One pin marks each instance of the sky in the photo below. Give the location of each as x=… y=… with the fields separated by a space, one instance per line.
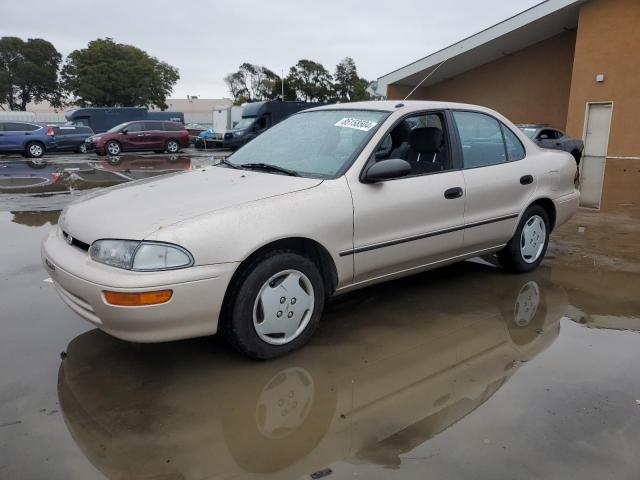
x=208 y=39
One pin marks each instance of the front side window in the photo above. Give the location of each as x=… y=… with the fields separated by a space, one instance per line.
x=481 y=139
x=136 y=127
x=421 y=140
x=317 y=144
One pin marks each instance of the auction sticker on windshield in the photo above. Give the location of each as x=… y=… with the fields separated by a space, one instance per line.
x=364 y=125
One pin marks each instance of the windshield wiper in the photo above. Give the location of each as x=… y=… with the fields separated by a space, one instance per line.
x=269 y=167
x=226 y=162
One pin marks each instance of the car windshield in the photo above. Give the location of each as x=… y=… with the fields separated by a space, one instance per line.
x=245 y=122
x=316 y=144
x=530 y=132
x=117 y=128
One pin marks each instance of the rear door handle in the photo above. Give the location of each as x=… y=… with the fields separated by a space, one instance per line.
x=526 y=179
x=455 y=192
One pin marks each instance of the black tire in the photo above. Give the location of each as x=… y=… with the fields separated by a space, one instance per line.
x=113 y=148
x=237 y=319
x=510 y=257
x=34 y=149
x=172 y=146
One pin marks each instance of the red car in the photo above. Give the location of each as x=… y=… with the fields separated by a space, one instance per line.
x=153 y=135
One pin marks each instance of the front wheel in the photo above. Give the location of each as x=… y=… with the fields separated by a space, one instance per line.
x=276 y=305
x=527 y=247
x=113 y=148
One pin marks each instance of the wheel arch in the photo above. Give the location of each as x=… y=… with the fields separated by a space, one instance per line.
x=311 y=249
x=549 y=207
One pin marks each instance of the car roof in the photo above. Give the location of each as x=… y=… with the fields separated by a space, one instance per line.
x=406 y=106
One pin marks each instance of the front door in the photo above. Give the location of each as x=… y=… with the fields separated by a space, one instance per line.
x=135 y=138
x=407 y=223
x=596 y=144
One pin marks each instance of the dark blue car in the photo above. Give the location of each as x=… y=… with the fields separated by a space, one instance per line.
x=30 y=139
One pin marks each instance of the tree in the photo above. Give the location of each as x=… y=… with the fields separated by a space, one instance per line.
x=113 y=74
x=348 y=86
x=28 y=72
x=311 y=81
x=252 y=83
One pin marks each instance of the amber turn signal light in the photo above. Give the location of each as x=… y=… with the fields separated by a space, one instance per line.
x=137 y=299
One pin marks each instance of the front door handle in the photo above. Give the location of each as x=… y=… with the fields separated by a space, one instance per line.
x=526 y=179
x=455 y=192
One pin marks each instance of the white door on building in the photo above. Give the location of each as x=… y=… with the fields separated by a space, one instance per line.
x=596 y=143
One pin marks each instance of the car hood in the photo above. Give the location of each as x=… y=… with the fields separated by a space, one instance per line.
x=137 y=209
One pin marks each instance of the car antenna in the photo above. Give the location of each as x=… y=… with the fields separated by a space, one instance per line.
x=425 y=79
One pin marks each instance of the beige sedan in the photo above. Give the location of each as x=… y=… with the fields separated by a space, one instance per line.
x=330 y=200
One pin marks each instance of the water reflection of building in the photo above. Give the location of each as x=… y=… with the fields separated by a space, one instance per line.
x=390 y=367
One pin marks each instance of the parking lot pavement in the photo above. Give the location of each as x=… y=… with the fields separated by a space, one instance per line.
x=463 y=372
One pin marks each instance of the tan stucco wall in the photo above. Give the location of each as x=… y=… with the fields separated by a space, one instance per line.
x=608 y=42
x=531 y=85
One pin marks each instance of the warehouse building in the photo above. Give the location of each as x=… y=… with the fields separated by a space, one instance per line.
x=571 y=64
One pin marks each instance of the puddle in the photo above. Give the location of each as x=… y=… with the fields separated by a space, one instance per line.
x=462 y=372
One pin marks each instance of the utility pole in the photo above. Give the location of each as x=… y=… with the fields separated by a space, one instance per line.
x=282 y=83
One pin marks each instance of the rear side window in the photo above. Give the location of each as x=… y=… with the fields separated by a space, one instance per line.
x=172 y=127
x=152 y=126
x=20 y=127
x=481 y=139
x=515 y=149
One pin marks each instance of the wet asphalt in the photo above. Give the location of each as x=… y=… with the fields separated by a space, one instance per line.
x=460 y=373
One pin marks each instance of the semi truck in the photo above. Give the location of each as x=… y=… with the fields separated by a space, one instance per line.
x=101 y=119
x=258 y=117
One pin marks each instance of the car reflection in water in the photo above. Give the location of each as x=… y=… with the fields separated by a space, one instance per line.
x=136 y=167
x=391 y=367
x=48 y=177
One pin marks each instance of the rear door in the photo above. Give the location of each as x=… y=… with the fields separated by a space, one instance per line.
x=14 y=135
x=498 y=184
x=155 y=136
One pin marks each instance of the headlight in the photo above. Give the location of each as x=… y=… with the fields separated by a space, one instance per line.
x=140 y=256
x=95 y=139
x=238 y=134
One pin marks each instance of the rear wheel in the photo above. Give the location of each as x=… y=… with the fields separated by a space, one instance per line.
x=527 y=247
x=275 y=306
x=34 y=150
x=113 y=148
x=172 y=146
x=82 y=148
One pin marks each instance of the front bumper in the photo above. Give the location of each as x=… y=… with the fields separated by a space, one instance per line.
x=192 y=311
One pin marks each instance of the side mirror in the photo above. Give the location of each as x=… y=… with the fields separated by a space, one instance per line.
x=387 y=170
x=124 y=131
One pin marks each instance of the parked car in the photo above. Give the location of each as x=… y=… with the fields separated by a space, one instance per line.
x=330 y=200
x=71 y=138
x=548 y=137
x=150 y=135
x=30 y=139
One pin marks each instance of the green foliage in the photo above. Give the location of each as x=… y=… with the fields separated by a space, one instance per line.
x=253 y=83
x=348 y=86
x=28 y=72
x=113 y=74
x=311 y=81
x=307 y=80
